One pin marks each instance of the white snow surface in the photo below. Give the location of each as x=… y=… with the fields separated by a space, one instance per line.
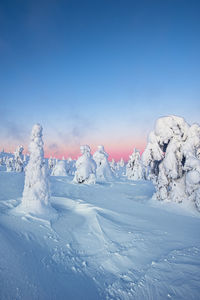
x=109 y=241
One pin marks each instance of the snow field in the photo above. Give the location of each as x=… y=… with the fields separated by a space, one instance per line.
x=108 y=241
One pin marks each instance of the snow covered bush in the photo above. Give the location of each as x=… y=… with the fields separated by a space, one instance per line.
x=19 y=159
x=171 y=156
x=134 y=169
x=59 y=169
x=103 y=171
x=36 y=192
x=86 y=167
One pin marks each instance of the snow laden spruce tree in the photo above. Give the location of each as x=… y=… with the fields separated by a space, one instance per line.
x=171 y=157
x=103 y=171
x=85 y=167
x=19 y=159
x=134 y=168
x=36 y=192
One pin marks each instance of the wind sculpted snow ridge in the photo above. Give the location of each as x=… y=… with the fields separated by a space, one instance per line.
x=108 y=242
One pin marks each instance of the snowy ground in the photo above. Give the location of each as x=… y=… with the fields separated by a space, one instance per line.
x=109 y=241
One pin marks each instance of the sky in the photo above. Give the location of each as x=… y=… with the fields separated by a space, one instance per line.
x=96 y=72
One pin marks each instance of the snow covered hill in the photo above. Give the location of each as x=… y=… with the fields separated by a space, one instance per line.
x=109 y=241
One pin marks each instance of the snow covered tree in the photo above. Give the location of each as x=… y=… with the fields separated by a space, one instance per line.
x=113 y=165
x=70 y=166
x=25 y=159
x=134 y=169
x=51 y=163
x=9 y=162
x=192 y=164
x=103 y=171
x=120 y=168
x=86 y=167
x=18 y=159
x=59 y=169
x=172 y=157
x=36 y=192
x=121 y=163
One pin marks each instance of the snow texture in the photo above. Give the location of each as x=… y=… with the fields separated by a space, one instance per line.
x=108 y=242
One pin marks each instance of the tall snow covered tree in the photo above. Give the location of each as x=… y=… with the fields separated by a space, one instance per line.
x=172 y=158
x=19 y=159
x=36 y=192
x=134 y=170
x=85 y=167
x=103 y=171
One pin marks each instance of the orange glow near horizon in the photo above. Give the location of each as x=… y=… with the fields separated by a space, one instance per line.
x=115 y=151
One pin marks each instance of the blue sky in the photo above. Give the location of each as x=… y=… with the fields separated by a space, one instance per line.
x=96 y=72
